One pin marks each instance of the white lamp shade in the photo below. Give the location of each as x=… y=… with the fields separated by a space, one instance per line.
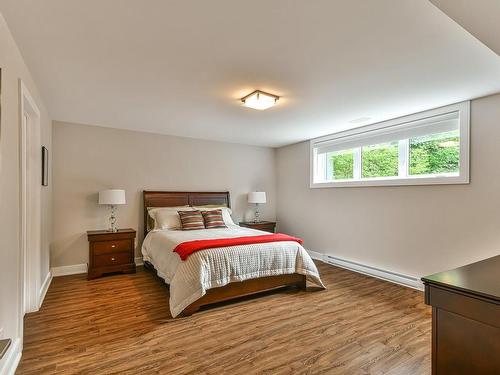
x=112 y=196
x=257 y=197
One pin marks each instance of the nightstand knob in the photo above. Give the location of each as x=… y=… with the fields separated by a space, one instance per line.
x=112 y=258
x=113 y=245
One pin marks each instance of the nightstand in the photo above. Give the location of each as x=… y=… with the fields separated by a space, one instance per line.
x=267 y=226
x=111 y=252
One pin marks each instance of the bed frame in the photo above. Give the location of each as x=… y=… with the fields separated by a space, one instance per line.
x=232 y=290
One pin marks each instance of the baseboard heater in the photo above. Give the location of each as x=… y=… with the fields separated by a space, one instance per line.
x=393 y=277
x=4 y=346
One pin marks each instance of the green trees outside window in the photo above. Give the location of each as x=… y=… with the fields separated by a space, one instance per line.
x=380 y=160
x=438 y=153
x=427 y=155
x=342 y=165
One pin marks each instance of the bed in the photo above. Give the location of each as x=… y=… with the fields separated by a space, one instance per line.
x=218 y=274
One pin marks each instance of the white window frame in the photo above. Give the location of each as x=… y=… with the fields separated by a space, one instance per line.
x=402 y=179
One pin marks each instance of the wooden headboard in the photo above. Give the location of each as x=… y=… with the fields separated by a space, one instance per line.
x=181 y=198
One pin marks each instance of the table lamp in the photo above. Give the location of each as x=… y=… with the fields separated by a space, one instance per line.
x=112 y=198
x=257 y=197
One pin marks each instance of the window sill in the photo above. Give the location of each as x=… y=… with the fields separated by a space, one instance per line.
x=408 y=181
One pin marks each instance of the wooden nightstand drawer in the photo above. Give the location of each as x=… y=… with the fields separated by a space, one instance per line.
x=266 y=226
x=111 y=252
x=112 y=259
x=116 y=246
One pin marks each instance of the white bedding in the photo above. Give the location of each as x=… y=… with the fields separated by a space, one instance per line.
x=189 y=280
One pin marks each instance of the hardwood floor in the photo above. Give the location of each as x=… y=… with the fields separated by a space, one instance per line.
x=122 y=325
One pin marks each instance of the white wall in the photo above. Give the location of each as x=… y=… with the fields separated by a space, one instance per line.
x=89 y=158
x=413 y=230
x=481 y=18
x=13 y=68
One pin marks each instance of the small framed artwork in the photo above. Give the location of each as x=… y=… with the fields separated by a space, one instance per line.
x=45 y=166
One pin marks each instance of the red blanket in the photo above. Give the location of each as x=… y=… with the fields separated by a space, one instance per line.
x=185 y=249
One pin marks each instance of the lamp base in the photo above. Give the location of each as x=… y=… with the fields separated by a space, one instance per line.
x=112 y=220
x=257 y=214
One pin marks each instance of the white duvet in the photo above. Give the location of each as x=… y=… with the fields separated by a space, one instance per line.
x=189 y=280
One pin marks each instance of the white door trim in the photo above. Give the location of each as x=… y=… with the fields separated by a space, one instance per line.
x=30 y=196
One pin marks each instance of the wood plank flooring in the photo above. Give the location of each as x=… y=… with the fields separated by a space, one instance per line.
x=122 y=325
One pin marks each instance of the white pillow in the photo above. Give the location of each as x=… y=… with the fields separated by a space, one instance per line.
x=167 y=217
x=226 y=213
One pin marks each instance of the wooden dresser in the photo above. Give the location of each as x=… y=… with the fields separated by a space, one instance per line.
x=465 y=318
x=267 y=226
x=111 y=252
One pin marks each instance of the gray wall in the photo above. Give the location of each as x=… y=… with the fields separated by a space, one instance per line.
x=13 y=68
x=89 y=158
x=414 y=230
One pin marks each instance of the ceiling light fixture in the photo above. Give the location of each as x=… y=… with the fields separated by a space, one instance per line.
x=259 y=100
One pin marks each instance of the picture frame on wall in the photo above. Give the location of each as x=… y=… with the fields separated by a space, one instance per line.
x=45 y=166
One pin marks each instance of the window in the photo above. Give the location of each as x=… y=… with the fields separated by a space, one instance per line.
x=380 y=160
x=426 y=148
x=435 y=154
x=341 y=164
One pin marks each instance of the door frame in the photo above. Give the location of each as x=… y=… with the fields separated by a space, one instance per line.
x=30 y=201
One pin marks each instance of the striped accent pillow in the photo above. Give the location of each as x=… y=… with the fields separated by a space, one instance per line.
x=213 y=219
x=191 y=220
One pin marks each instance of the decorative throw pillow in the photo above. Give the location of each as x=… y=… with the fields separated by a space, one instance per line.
x=191 y=220
x=226 y=213
x=213 y=219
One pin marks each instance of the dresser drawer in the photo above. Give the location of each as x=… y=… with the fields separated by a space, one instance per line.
x=112 y=259
x=482 y=310
x=107 y=247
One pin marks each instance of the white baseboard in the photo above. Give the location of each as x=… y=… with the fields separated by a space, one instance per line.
x=69 y=270
x=81 y=268
x=44 y=288
x=9 y=363
x=393 y=277
x=315 y=255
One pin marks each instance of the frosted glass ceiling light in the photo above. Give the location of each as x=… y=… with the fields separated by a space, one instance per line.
x=259 y=100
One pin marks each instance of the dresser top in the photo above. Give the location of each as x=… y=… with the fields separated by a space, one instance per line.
x=480 y=278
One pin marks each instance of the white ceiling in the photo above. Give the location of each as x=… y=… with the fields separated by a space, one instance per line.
x=179 y=67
